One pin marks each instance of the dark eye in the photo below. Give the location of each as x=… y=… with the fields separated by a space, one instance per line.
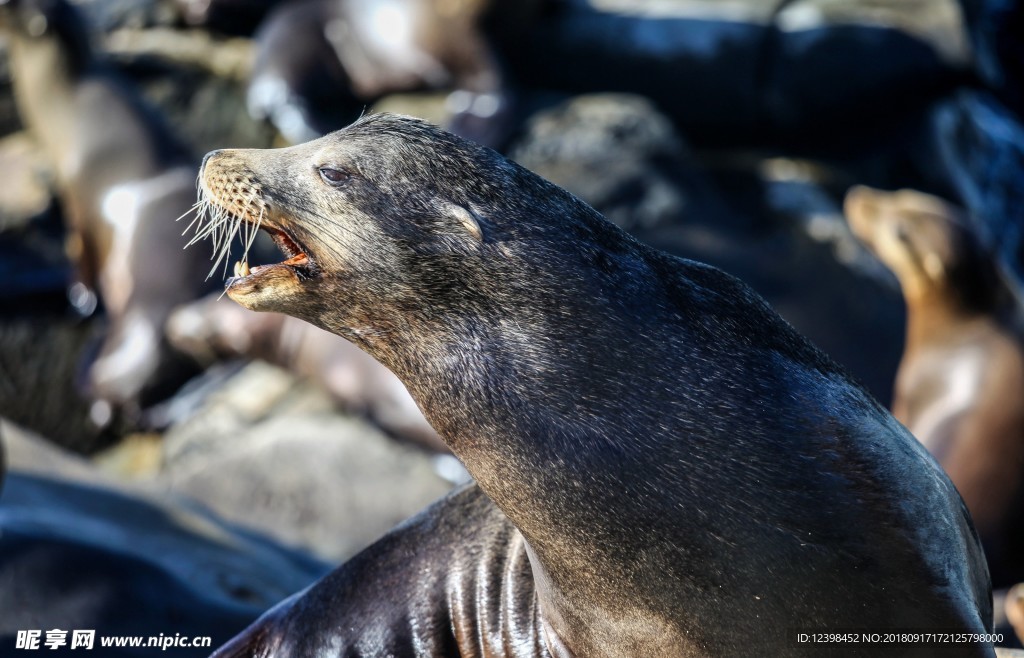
x=333 y=176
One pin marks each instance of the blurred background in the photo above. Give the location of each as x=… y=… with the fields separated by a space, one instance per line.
x=177 y=464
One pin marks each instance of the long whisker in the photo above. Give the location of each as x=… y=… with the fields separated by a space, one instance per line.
x=252 y=236
x=191 y=209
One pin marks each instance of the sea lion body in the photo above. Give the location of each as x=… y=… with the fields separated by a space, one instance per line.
x=960 y=384
x=688 y=475
x=122 y=180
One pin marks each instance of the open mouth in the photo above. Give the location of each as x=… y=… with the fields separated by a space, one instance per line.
x=230 y=209
x=296 y=257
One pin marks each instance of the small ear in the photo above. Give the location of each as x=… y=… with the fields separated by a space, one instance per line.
x=933 y=266
x=468 y=219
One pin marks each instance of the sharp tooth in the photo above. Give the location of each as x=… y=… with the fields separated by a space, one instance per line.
x=238 y=268
x=245 y=268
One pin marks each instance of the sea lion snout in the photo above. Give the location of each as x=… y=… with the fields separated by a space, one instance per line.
x=231 y=187
x=227 y=179
x=206 y=158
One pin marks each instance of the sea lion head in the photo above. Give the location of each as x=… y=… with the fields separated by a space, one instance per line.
x=924 y=240
x=390 y=221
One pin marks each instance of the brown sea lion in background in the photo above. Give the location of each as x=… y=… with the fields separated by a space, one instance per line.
x=122 y=180
x=664 y=466
x=215 y=329
x=1014 y=609
x=960 y=385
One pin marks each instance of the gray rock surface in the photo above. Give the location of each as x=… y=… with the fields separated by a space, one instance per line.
x=39 y=362
x=616 y=151
x=270 y=453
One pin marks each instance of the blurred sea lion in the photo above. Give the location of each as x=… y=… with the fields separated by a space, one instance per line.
x=960 y=385
x=783 y=74
x=122 y=180
x=320 y=62
x=212 y=329
x=297 y=82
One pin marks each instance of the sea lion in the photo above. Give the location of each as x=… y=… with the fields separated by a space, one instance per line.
x=664 y=467
x=297 y=82
x=122 y=179
x=212 y=328
x=319 y=62
x=961 y=380
x=1014 y=603
x=970 y=148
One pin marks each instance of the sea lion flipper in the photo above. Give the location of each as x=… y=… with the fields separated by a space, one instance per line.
x=428 y=588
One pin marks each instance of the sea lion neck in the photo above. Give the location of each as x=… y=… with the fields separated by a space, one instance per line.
x=533 y=399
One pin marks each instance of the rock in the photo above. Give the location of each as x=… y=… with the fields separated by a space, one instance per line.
x=107 y=15
x=230 y=59
x=270 y=455
x=974 y=152
x=995 y=28
x=39 y=367
x=572 y=145
x=431 y=106
x=197 y=83
x=135 y=457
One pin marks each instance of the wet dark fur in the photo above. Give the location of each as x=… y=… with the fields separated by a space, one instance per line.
x=690 y=475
